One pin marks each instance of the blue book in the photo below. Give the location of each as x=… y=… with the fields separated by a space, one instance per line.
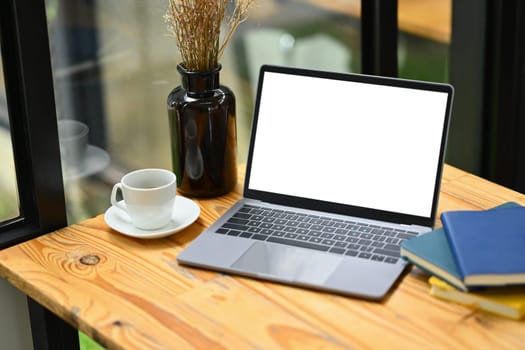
x=488 y=246
x=431 y=252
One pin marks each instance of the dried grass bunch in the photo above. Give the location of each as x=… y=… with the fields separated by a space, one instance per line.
x=196 y=24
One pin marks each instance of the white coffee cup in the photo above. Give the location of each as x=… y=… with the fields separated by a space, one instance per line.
x=149 y=197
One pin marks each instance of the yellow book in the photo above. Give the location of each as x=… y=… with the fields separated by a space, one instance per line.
x=504 y=301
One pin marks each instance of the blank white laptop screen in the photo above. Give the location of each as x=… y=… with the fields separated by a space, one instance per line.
x=359 y=144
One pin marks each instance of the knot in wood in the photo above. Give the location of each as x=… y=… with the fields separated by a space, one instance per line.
x=90 y=259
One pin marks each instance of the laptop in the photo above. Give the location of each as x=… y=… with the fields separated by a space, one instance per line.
x=341 y=169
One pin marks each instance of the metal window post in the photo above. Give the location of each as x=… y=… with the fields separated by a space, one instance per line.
x=379 y=31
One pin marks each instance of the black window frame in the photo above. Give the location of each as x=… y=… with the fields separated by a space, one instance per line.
x=504 y=95
x=379 y=37
x=32 y=118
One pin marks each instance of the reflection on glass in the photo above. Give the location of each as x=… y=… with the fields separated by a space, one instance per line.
x=9 y=205
x=114 y=65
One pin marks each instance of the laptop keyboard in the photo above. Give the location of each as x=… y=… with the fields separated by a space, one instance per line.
x=326 y=234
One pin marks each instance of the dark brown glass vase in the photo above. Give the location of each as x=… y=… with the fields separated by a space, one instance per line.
x=203 y=134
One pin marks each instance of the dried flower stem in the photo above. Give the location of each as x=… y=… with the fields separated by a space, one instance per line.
x=196 y=24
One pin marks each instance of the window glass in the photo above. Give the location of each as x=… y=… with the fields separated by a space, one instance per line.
x=114 y=64
x=9 y=204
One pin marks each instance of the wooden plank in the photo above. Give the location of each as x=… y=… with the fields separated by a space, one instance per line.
x=479 y=193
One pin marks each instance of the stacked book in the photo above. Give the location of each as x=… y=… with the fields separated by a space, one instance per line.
x=476 y=259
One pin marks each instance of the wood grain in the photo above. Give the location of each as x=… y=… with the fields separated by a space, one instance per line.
x=128 y=293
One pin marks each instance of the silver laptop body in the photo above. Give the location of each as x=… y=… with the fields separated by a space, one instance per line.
x=361 y=154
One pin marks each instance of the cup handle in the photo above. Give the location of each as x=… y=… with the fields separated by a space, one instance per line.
x=114 y=191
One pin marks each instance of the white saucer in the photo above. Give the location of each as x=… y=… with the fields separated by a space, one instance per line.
x=185 y=212
x=96 y=160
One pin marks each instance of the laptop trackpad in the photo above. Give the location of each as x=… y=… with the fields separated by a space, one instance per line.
x=287 y=263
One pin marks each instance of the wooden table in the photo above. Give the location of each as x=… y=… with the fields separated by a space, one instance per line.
x=131 y=294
